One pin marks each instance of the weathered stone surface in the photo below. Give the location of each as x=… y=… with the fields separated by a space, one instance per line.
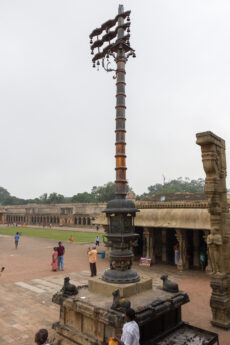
x=99 y=286
x=88 y=318
x=214 y=163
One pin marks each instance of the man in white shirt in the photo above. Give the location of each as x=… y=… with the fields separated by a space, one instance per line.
x=130 y=331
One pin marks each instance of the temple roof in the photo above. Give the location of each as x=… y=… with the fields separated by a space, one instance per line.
x=175 y=197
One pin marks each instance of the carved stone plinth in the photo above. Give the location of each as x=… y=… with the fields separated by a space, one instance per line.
x=220 y=301
x=99 y=286
x=87 y=319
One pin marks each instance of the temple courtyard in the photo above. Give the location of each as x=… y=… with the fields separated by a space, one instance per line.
x=27 y=286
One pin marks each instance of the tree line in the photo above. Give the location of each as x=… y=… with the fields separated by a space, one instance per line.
x=105 y=193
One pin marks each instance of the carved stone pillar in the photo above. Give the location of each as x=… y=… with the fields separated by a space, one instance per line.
x=218 y=241
x=164 y=245
x=209 y=266
x=183 y=257
x=146 y=235
x=152 y=246
x=196 y=248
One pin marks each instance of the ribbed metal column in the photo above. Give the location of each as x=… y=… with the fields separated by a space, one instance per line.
x=120 y=117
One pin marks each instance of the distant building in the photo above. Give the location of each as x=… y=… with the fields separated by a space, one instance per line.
x=163 y=221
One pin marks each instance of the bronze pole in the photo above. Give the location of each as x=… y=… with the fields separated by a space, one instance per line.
x=120 y=117
x=120 y=212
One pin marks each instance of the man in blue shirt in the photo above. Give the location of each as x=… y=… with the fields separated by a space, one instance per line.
x=16 y=239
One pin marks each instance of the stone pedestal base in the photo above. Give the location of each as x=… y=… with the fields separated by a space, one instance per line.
x=87 y=319
x=220 y=301
x=96 y=285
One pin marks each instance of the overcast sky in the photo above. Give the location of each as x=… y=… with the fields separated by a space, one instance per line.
x=57 y=112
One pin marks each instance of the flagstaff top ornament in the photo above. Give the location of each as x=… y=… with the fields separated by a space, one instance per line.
x=120 y=212
x=121 y=25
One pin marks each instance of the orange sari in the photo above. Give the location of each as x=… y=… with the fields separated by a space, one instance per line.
x=54 y=262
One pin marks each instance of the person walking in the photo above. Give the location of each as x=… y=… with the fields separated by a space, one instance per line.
x=16 y=240
x=130 y=331
x=92 y=253
x=61 y=252
x=54 y=262
x=97 y=240
x=202 y=259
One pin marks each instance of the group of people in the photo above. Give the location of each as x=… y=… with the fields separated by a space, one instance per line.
x=57 y=262
x=58 y=257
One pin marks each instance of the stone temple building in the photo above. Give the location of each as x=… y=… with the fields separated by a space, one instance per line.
x=163 y=221
x=80 y=215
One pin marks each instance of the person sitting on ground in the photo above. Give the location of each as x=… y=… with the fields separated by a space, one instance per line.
x=41 y=337
x=130 y=331
x=71 y=239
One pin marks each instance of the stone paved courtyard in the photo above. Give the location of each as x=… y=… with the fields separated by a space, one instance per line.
x=27 y=286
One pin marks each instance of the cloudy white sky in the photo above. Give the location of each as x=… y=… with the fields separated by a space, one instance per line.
x=57 y=113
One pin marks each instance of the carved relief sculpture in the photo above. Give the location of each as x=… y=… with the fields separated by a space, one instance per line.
x=214 y=163
x=214 y=241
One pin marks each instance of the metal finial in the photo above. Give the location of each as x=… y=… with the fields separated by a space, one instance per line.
x=121 y=9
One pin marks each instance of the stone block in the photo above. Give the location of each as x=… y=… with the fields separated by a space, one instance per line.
x=144 y=285
x=96 y=285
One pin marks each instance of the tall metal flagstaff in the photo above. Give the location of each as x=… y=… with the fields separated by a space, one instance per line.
x=120 y=212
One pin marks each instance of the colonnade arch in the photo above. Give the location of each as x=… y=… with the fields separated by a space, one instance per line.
x=82 y=220
x=38 y=220
x=47 y=219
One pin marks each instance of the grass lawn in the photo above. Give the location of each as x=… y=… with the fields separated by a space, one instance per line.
x=53 y=234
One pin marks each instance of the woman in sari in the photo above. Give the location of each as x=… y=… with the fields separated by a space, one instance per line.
x=54 y=262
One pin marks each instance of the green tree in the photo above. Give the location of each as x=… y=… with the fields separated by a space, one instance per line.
x=3 y=194
x=43 y=198
x=13 y=200
x=83 y=197
x=104 y=193
x=55 y=198
x=177 y=185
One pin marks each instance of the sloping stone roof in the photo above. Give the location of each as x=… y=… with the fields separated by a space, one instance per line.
x=177 y=218
x=175 y=197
